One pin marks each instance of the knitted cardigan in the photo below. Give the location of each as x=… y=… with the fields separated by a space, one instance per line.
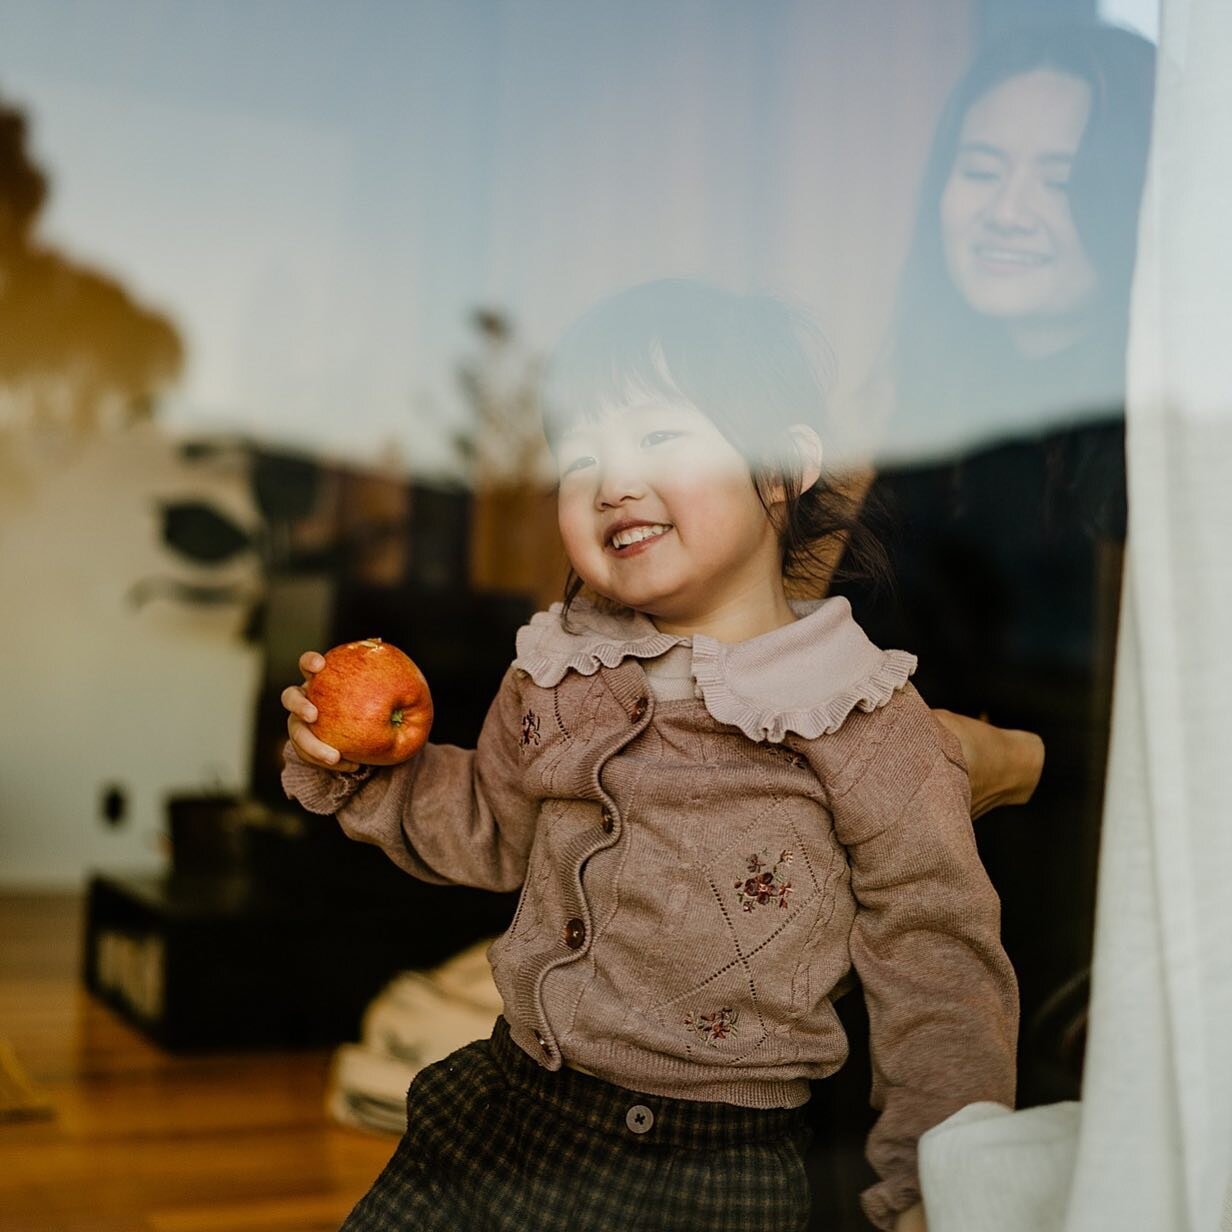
x=699 y=876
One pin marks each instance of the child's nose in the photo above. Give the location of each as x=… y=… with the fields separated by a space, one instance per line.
x=619 y=481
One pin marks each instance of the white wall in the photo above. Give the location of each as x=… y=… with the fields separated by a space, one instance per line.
x=92 y=691
x=1140 y=15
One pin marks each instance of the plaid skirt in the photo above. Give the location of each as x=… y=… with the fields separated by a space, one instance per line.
x=496 y=1143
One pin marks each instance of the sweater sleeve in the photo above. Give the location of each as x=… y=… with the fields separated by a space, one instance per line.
x=449 y=815
x=941 y=994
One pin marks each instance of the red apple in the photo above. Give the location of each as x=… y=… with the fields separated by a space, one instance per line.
x=372 y=702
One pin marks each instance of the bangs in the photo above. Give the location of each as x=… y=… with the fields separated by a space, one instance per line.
x=743 y=361
x=586 y=381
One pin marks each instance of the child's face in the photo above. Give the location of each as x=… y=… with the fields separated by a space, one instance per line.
x=658 y=512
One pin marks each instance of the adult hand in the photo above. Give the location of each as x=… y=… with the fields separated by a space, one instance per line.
x=1004 y=765
x=911 y=1220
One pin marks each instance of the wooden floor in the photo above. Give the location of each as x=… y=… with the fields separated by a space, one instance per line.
x=142 y=1141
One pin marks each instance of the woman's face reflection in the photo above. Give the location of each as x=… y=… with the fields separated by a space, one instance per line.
x=1011 y=245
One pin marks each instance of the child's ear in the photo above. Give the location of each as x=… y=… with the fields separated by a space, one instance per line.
x=807 y=448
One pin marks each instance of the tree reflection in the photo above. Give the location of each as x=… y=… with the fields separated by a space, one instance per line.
x=77 y=352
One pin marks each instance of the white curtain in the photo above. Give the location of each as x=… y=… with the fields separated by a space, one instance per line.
x=1149 y=1149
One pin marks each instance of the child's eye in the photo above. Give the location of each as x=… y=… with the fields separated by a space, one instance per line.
x=577 y=464
x=977 y=176
x=657 y=438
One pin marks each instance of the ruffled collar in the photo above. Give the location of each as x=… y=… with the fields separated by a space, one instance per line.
x=804 y=678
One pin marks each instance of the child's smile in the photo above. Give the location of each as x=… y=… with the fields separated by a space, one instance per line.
x=658 y=512
x=630 y=536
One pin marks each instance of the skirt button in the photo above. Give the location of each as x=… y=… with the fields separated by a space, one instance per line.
x=639 y=1119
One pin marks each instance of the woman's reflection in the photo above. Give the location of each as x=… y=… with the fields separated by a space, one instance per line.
x=1001 y=484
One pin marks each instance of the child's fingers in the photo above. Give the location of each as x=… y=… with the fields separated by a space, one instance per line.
x=295 y=700
x=301 y=713
x=310 y=662
x=316 y=752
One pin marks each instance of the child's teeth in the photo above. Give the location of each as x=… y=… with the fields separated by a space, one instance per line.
x=636 y=534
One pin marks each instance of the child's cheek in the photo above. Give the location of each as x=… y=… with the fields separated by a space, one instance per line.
x=577 y=534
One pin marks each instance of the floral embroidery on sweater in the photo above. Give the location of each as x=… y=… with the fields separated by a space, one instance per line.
x=530 y=728
x=713 y=1027
x=766 y=882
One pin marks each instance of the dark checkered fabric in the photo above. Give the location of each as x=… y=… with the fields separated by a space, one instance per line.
x=496 y=1143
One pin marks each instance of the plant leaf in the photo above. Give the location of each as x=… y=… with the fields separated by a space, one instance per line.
x=200 y=532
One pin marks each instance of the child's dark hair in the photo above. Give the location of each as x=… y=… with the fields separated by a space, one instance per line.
x=751 y=364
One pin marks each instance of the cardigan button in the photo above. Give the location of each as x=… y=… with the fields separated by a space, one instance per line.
x=574 y=934
x=609 y=822
x=543 y=1043
x=639 y=708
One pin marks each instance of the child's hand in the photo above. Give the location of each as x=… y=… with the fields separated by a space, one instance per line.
x=1004 y=765
x=302 y=712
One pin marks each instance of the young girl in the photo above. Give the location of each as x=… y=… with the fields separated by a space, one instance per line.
x=717 y=802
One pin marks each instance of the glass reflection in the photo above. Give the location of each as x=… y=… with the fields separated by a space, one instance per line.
x=1002 y=479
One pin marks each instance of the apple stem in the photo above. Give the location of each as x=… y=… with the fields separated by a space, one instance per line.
x=396 y=718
